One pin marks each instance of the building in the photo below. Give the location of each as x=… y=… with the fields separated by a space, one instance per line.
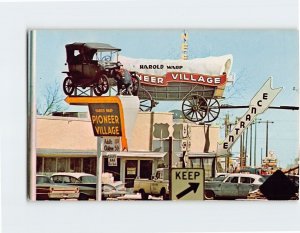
x=67 y=144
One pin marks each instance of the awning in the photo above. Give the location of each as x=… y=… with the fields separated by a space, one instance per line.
x=198 y=155
x=92 y=153
x=136 y=154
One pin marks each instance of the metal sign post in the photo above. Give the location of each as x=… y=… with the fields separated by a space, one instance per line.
x=99 y=170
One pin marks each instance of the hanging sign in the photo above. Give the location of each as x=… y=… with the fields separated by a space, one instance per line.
x=259 y=103
x=111 y=144
x=112 y=160
x=106 y=119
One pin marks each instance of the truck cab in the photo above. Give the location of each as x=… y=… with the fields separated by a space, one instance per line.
x=157 y=186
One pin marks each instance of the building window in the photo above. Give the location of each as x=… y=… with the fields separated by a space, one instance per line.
x=146 y=169
x=75 y=164
x=130 y=172
x=89 y=165
x=39 y=165
x=62 y=164
x=50 y=164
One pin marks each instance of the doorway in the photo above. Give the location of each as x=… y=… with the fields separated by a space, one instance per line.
x=130 y=172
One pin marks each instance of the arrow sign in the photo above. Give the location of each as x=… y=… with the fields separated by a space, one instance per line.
x=259 y=103
x=193 y=187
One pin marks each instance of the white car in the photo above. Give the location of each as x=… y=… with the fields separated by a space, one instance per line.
x=235 y=185
x=87 y=185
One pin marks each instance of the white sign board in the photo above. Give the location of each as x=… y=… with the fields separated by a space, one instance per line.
x=111 y=144
x=187 y=184
x=259 y=103
x=112 y=160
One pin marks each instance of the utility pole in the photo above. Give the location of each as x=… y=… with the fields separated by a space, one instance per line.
x=227 y=131
x=246 y=146
x=267 y=135
x=250 y=146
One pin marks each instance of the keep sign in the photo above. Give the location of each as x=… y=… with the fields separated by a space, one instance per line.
x=187 y=184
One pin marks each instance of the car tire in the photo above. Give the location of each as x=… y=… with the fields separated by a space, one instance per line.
x=68 y=86
x=102 y=85
x=164 y=194
x=83 y=197
x=144 y=195
x=209 y=195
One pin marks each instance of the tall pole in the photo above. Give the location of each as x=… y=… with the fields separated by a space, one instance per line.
x=170 y=166
x=255 y=137
x=99 y=170
x=227 y=130
x=250 y=145
x=246 y=146
x=242 y=150
x=267 y=135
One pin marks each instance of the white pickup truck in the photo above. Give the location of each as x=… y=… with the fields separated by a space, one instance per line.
x=157 y=186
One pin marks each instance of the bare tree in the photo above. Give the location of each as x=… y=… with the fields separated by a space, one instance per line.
x=52 y=101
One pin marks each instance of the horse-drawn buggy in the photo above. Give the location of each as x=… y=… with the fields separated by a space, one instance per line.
x=93 y=68
x=198 y=83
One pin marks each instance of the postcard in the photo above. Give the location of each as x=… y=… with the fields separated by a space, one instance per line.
x=186 y=114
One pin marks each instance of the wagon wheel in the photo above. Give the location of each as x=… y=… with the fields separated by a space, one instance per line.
x=68 y=86
x=147 y=103
x=194 y=108
x=101 y=86
x=213 y=110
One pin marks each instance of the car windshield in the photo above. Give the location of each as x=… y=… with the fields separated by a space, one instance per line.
x=105 y=56
x=88 y=179
x=219 y=178
x=43 y=180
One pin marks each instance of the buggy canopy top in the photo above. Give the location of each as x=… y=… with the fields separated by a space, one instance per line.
x=86 y=51
x=92 y=46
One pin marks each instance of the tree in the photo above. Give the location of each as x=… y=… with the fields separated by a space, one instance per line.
x=52 y=100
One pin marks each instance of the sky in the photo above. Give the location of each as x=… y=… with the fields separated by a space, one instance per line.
x=257 y=55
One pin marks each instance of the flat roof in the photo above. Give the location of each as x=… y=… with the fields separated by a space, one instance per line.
x=92 y=153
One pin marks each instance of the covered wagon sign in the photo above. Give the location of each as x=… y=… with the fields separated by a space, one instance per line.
x=210 y=71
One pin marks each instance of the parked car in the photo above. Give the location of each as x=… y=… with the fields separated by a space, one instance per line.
x=46 y=189
x=87 y=185
x=220 y=176
x=157 y=186
x=235 y=185
x=113 y=190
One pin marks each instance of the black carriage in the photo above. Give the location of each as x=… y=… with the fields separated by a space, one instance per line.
x=200 y=103
x=92 y=69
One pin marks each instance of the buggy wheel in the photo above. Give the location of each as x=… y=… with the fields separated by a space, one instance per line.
x=194 y=108
x=101 y=86
x=68 y=86
x=213 y=110
x=146 y=102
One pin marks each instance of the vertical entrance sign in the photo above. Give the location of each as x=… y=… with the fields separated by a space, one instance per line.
x=259 y=104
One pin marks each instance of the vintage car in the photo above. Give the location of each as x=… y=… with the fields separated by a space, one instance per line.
x=158 y=186
x=87 y=185
x=90 y=66
x=46 y=189
x=235 y=185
